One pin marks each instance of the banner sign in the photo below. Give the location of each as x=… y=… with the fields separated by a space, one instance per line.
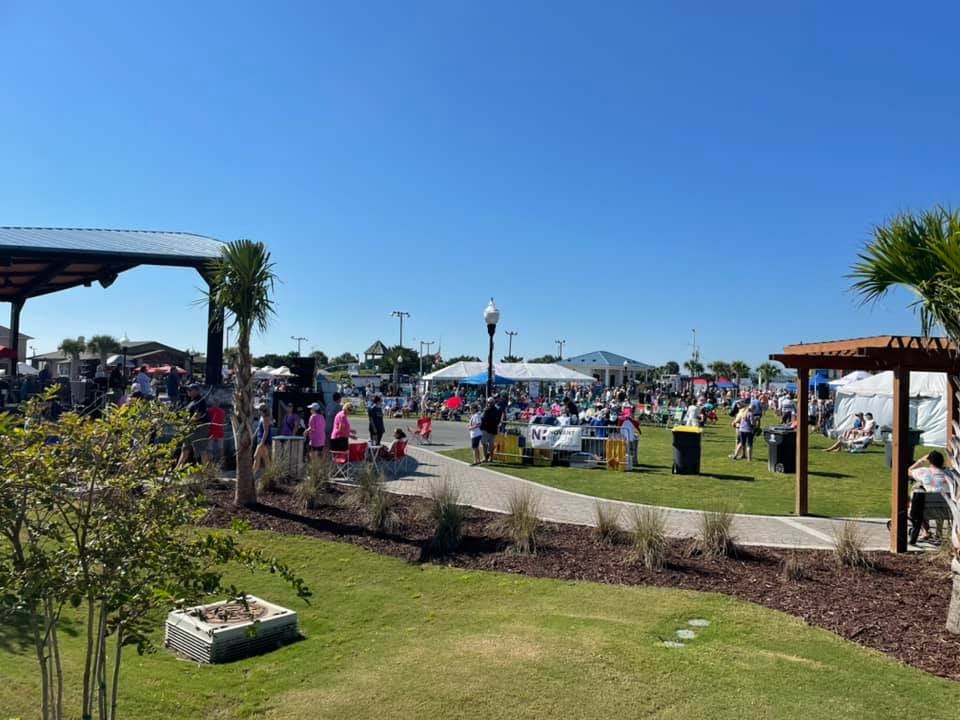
x=552 y=437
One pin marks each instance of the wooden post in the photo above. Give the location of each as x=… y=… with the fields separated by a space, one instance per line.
x=803 y=439
x=214 y=375
x=901 y=460
x=953 y=410
x=15 y=307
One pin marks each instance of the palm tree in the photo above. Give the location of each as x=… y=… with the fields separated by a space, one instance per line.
x=694 y=367
x=921 y=253
x=720 y=369
x=74 y=348
x=103 y=345
x=766 y=372
x=740 y=369
x=241 y=282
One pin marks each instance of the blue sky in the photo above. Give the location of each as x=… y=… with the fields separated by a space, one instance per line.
x=614 y=174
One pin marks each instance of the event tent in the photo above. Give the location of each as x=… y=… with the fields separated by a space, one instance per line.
x=928 y=404
x=849 y=378
x=518 y=372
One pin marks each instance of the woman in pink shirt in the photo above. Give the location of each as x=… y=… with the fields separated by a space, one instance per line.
x=342 y=433
x=316 y=432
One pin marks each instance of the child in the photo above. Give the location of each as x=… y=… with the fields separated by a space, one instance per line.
x=475 y=434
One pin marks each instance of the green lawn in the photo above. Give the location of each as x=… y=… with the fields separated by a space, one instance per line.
x=841 y=484
x=387 y=639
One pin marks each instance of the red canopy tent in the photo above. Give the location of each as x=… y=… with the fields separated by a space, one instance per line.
x=700 y=381
x=7 y=353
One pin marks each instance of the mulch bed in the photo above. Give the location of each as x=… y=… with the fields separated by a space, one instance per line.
x=898 y=608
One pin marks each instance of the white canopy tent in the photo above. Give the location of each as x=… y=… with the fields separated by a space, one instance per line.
x=521 y=372
x=850 y=378
x=928 y=404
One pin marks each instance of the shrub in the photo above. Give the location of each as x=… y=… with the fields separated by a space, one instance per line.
x=270 y=478
x=848 y=546
x=648 y=528
x=715 y=538
x=370 y=498
x=607 y=530
x=316 y=482
x=201 y=477
x=791 y=567
x=449 y=515
x=521 y=523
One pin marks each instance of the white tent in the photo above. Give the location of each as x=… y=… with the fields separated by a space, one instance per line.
x=928 y=404
x=24 y=369
x=850 y=378
x=282 y=371
x=521 y=372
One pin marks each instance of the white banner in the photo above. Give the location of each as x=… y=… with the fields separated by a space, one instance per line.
x=552 y=437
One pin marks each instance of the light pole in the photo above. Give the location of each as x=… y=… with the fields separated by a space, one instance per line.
x=560 y=344
x=124 y=346
x=400 y=314
x=625 y=366
x=510 y=333
x=491 y=316
x=299 y=340
x=428 y=344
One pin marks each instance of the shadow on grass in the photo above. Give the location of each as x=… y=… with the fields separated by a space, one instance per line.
x=827 y=474
x=17 y=637
x=722 y=476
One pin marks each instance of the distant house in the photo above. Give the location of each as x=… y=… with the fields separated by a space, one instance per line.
x=374 y=352
x=139 y=352
x=607 y=367
x=5 y=341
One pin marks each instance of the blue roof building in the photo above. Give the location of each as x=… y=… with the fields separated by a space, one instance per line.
x=609 y=367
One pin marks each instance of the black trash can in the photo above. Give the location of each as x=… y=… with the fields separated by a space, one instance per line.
x=913 y=437
x=781 y=448
x=686 y=450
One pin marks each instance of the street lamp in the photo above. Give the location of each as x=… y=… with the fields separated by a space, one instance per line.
x=625 y=365
x=491 y=316
x=124 y=346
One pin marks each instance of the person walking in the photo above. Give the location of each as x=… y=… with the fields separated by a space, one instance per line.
x=217 y=417
x=316 y=432
x=173 y=386
x=743 y=422
x=264 y=437
x=376 y=427
x=489 y=425
x=342 y=433
x=476 y=434
x=331 y=413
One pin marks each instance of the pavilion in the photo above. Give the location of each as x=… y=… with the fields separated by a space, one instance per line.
x=900 y=354
x=606 y=365
x=39 y=261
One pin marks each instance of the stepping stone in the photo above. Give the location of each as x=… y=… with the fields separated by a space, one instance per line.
x=686 y=634
x=673 y=644
x=698 y=622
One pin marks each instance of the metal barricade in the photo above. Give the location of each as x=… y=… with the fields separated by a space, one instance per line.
x=600 y=446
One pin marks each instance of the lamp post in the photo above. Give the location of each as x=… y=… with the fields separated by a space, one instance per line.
x=124 y=345
x=510 y=333
x=560 y=344
x=625 y=365
x=428 y=344
x=491 y=316
x=299 y=340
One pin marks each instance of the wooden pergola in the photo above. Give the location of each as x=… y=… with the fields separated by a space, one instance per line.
x=886 y=352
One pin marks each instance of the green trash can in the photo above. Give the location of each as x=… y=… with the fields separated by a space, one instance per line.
x=686 y=450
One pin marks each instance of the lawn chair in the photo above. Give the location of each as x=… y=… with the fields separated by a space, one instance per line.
x=424 y=428
x=340 y=465
x=396 y=458
x=859 y=444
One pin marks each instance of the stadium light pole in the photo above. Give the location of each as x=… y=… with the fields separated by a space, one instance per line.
x=491 y=316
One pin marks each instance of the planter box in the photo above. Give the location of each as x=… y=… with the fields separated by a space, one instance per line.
x=215 y=640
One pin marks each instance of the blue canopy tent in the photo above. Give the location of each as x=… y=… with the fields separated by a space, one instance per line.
x=790 y=387
x=724 y=384
x=481 y=379
x=819 y=378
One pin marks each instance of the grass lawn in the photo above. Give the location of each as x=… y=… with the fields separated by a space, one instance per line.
x=841 y=484
x=387 y=639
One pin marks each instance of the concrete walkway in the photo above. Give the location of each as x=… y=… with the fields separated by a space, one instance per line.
x=487 y=489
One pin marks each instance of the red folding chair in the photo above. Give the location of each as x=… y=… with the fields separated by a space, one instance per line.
x=424 y=428
x=340 y=469
x=397 y=458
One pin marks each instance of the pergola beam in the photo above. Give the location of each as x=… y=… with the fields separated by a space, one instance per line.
x=803 y=442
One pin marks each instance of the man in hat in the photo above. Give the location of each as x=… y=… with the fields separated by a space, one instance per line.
x=489 y=424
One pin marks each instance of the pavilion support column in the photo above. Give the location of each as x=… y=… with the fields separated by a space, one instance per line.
x=953 y=411
x=16 y=306
x=803 y=441
x=902 y=460
x=214 y=342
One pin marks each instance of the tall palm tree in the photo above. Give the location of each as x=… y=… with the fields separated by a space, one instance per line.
x=103 y=345
x=740 y=369
x=241 y=282
x=921 y=253
x=767 y=371
x=720 y=368
x=694 y=367
x=74 y=348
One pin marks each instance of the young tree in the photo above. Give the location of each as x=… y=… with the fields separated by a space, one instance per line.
x=103 y=345
x=96 y=521
x=74 y=348
x=511 y=359
x=241 y=282
x=740 y=370
x=921 y=253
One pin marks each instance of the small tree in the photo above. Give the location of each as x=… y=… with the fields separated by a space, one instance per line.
x=740 y=370
x=97 y=521
x=511 y=359
x=74 y=348
x=103 y=345
x=545 y=359
x=766 y=372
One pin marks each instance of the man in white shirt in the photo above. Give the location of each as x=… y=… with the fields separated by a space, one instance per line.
x=475 y=433
x=693 y=415
x=628 y=431
x=142 y=383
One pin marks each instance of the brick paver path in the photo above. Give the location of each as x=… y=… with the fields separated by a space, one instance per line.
x=487 y=489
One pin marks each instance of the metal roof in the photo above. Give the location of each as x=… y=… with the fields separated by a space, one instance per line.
x=151 y=243
x=605 y=358
x=39 y=261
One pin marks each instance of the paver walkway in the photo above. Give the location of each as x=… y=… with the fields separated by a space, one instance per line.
x=487 y=489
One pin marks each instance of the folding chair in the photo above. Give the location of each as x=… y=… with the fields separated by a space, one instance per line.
x=424 y=428
x=340 y=466
x=397 y=458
